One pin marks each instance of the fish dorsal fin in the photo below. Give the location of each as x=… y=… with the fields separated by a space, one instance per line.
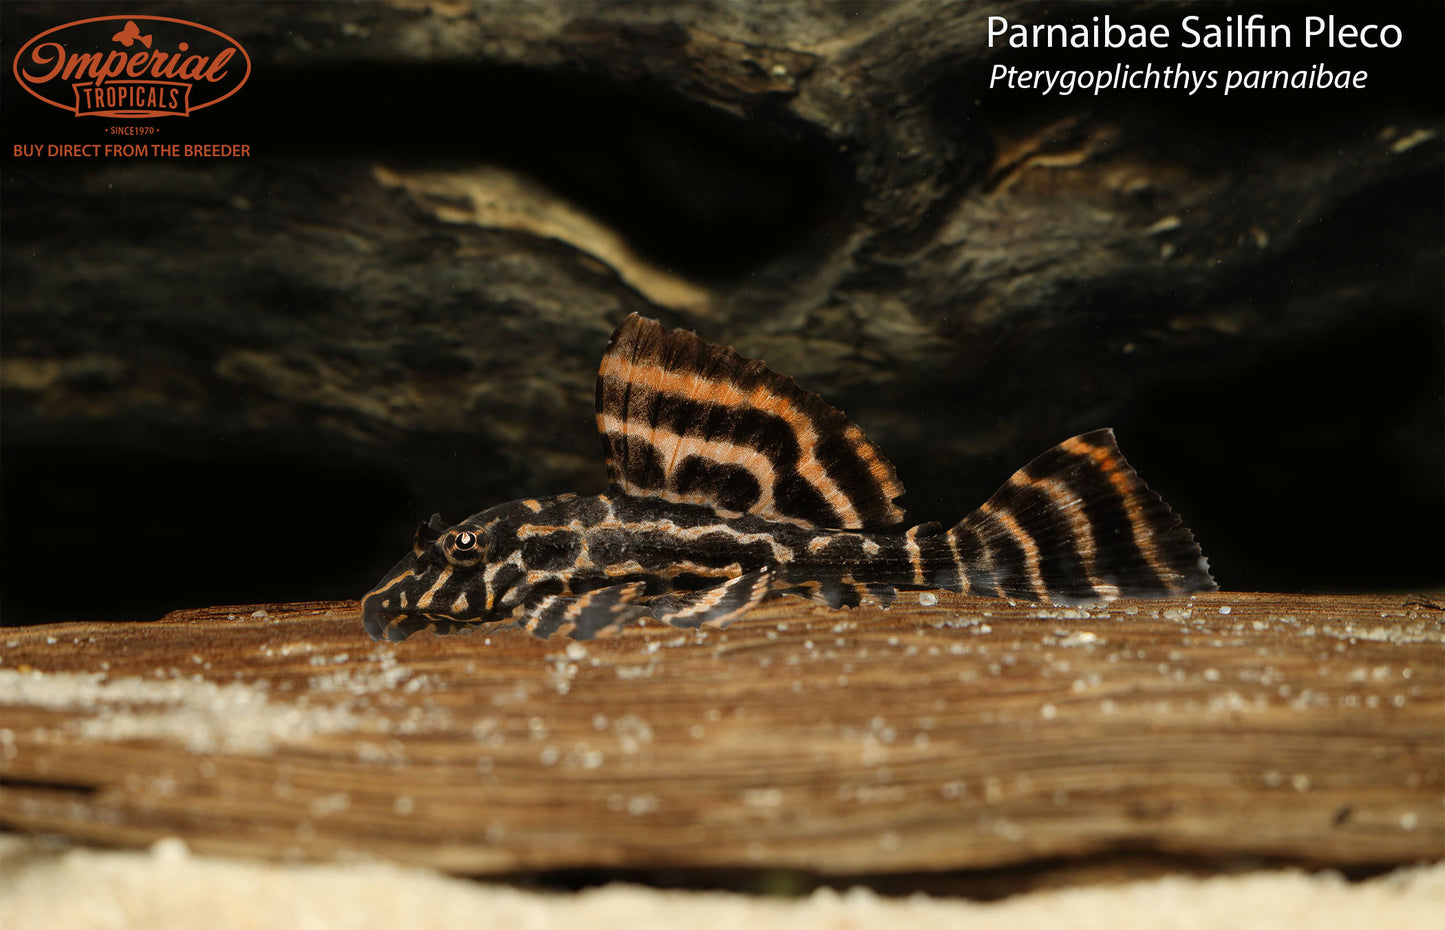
x=688 y=421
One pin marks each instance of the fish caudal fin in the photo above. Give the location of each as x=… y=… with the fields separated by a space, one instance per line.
x=1078 y=524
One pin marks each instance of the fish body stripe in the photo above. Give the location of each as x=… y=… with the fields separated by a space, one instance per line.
x=443 y=576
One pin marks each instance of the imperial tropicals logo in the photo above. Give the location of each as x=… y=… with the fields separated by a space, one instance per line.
x=132 y=67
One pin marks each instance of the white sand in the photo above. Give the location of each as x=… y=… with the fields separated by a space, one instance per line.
x=167 y=887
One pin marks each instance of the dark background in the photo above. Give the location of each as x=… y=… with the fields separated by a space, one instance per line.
x=230 y=381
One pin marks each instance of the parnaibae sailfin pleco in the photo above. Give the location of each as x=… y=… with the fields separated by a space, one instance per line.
x=730 y=484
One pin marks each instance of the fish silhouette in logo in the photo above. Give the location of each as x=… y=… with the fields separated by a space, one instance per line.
x=130 y=34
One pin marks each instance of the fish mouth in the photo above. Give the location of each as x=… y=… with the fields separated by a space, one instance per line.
x=390 y=611
x=383 y=622
x=394 y=625
x=385 y=609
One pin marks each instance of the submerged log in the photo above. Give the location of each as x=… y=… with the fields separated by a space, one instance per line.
x=961 y=733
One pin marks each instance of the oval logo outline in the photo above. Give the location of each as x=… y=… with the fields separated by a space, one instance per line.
x=123 y=19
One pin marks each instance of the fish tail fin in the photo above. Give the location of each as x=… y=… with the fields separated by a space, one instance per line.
x=1077 y=524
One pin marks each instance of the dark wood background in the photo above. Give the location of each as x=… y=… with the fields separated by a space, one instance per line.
x=246 y=380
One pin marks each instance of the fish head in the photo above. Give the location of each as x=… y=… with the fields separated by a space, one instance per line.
x=438 y=586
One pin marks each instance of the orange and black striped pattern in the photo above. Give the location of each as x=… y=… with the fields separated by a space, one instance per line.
x=731 y=484
x=687 y=421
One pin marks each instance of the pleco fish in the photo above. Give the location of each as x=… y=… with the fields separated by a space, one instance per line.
x=730 y=484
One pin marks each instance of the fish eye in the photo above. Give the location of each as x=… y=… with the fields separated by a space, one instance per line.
x=464 y=542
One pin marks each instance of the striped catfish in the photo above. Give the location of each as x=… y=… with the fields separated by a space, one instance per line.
x=730 y=484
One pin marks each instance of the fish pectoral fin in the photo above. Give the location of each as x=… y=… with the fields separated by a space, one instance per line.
x=397 y=627
x=716 y=606
x=841 y=593
x=603 y=612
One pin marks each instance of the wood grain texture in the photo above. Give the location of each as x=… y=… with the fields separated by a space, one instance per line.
x=970 y=733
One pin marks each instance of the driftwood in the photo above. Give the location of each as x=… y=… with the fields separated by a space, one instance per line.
x=963 y=734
